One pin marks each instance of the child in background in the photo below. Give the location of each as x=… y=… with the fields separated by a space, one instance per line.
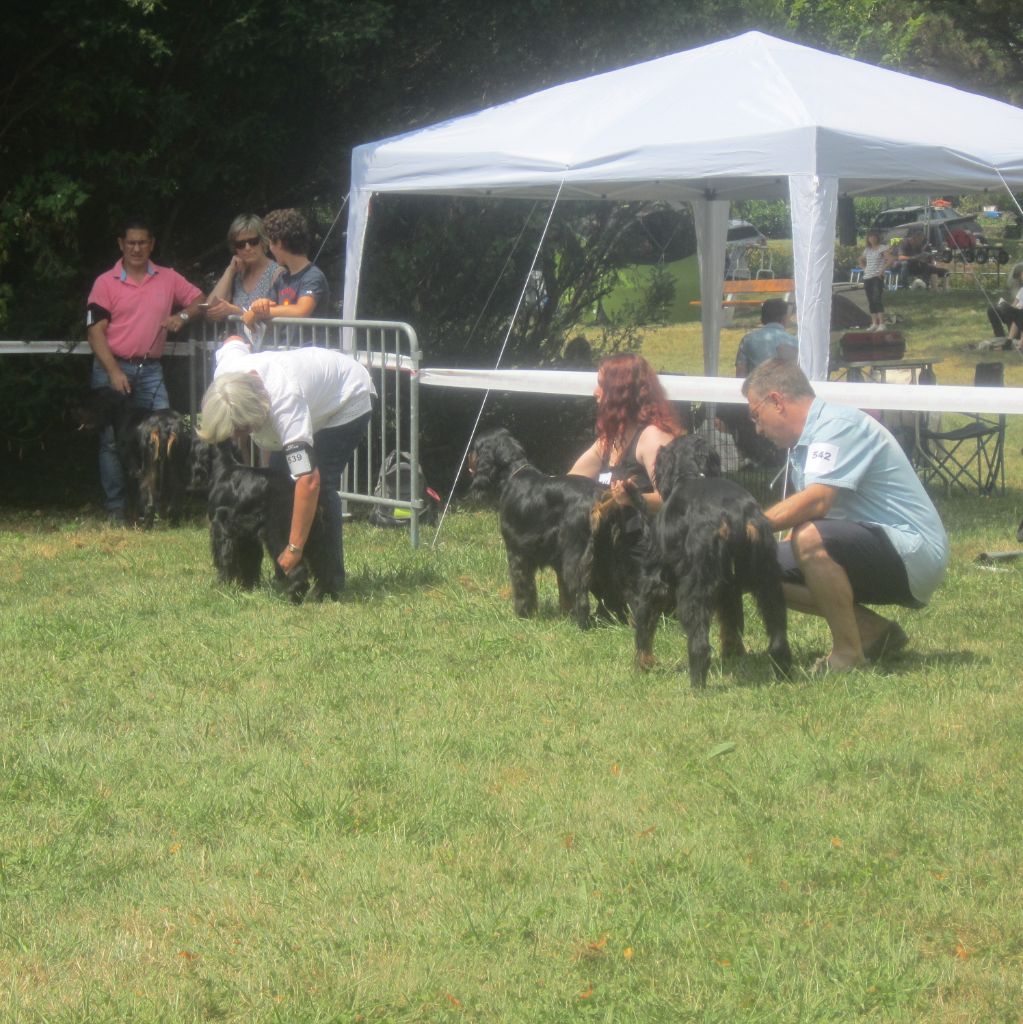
x=875 y=261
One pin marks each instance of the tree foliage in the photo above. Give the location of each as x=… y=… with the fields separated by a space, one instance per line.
x=191 y=112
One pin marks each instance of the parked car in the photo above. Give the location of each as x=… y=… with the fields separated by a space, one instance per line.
x=936 y=221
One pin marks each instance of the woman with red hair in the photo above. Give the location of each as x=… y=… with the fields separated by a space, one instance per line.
x=634 y=420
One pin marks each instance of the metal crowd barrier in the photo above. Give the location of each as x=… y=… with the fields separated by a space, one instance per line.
x=390 y=351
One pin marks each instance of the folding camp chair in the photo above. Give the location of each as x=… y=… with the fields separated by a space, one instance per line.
x=971 y=456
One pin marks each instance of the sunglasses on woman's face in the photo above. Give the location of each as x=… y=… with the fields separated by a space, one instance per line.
x=246 y=243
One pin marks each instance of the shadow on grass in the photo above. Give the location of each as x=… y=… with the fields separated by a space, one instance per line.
x=368 y=583
x=753 y=671
x=913 y=661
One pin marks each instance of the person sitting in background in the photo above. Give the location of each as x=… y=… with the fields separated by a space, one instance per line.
x=1009 y=314
x=250 y=273
x=912 y=258
x=769 y=341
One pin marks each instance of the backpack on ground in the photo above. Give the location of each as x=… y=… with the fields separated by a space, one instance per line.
x=395 y=482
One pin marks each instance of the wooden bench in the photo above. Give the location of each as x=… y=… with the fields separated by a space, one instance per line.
x=753 y=293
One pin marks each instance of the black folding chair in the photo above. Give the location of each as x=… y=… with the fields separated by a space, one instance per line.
x=970 y=456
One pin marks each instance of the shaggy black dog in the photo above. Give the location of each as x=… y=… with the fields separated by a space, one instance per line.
x=153 y=446
x=250 y=508
x=708 y=544
x=545 y=521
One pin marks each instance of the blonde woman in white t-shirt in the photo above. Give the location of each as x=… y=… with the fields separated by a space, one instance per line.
x=875 y=261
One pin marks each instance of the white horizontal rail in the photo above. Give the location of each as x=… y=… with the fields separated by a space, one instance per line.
x=727 y=390
x=723 y=390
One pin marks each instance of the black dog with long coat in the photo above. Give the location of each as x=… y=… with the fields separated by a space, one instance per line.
x=544 y=521
x=708 y=543
x=153 y=446
x=251 y=508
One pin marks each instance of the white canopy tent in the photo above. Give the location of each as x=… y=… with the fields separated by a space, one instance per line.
x=752 y=116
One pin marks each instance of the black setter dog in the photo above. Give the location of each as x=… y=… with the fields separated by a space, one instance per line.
x=250 y=508
x=545 y=521
x=708 y=544
x=153 y=446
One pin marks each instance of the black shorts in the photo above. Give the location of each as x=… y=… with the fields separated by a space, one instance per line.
x=875 y=569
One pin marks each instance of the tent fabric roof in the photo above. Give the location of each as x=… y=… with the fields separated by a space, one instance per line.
x=729 y=120
x=751 y=116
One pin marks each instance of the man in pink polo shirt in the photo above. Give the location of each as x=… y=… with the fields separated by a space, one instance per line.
x=128 y=317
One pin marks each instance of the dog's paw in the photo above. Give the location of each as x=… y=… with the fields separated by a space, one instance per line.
x=732 y=647
x=645 y=662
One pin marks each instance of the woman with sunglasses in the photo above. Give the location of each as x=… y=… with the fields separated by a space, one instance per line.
x=250 y=273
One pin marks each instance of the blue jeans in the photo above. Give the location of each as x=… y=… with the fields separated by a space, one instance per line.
x=333 y=448
x=147 y=392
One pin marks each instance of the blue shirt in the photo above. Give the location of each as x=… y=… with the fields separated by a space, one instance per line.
x=288 y=288
x=845 y=448
x=762 y=344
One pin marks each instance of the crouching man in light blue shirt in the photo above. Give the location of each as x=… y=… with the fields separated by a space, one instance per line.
x=864 y=530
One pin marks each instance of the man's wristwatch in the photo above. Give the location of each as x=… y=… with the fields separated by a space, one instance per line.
x=183 y=316
x=294 y=549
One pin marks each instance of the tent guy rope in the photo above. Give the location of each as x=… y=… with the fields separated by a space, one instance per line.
x=500 y=356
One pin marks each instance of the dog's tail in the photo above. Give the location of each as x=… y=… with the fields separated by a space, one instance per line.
x=747 y=548
x=763 y=547
x=603 y=507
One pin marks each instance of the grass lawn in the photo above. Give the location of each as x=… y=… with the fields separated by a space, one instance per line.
x=412 y=806
x=633 y=280
x=943 y=324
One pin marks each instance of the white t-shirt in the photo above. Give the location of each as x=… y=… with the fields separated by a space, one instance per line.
x=310 y=389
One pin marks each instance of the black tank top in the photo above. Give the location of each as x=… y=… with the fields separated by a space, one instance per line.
x=628 y=466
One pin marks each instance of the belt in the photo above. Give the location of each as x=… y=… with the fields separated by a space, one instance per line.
x=137 y=360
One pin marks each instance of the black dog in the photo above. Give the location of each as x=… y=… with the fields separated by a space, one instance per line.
x=709 y=543
x=545 y=521
x=153 y=446
x=250 y=508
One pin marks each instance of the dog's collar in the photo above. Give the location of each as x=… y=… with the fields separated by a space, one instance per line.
x=518 y=469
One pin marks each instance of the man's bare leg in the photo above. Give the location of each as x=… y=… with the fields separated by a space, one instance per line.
x=828 y=593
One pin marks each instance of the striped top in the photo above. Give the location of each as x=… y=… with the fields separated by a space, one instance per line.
x=873 y=261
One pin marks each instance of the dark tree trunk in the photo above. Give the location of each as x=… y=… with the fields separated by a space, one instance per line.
x=846 y=221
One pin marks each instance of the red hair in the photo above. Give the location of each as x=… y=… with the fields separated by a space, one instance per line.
x=631 y=392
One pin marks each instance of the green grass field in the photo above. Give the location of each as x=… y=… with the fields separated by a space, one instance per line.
x=686 y=275
x=411 y=806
